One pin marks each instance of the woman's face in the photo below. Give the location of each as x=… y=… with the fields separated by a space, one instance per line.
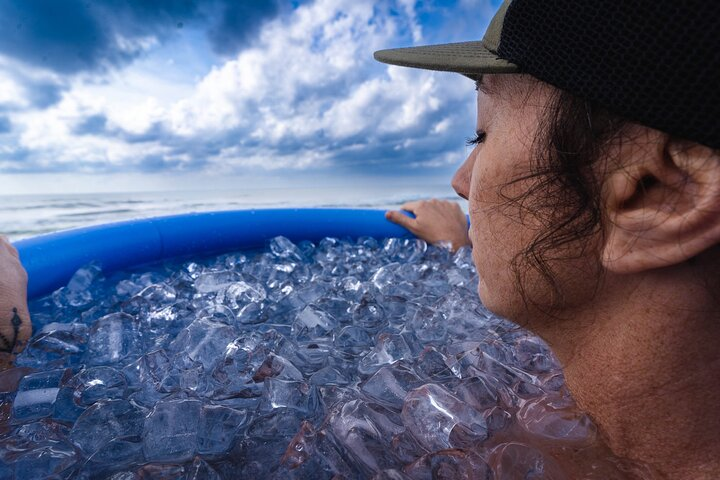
x=509 y=108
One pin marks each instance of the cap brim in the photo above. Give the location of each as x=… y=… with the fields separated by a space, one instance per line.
x=469 y=58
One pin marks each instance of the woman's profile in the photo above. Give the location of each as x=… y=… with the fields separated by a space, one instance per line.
x=594 y=200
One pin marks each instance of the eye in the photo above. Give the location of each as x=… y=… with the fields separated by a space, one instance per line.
x=477 y=139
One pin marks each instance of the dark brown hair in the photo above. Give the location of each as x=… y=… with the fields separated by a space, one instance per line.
x=564 y=193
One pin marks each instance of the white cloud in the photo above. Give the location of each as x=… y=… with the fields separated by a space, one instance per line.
x=320 y=45
x=306 y=93
x=313 y=76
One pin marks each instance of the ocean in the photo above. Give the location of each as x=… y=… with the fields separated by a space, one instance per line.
x=23 y=216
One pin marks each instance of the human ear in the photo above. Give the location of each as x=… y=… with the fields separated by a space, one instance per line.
x=662 y=205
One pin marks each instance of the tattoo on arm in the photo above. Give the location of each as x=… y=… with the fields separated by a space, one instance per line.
x=7 y=345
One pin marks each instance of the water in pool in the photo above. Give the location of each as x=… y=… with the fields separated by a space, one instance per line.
x=345 y=359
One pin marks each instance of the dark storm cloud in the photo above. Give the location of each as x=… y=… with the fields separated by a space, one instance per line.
x=238 y=23
x=72 y=36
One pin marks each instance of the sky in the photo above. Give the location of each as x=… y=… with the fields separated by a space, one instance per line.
x=114 y=95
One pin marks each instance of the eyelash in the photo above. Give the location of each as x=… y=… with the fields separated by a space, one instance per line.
x=477 y=139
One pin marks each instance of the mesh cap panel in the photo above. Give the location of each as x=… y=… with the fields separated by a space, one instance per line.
x=654 y=62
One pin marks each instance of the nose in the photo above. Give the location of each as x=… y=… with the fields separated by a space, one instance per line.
x=461 y=179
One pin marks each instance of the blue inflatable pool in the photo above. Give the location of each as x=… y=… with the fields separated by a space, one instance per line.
x=50 y=260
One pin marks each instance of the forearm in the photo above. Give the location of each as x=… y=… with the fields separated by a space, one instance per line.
x=15 y=324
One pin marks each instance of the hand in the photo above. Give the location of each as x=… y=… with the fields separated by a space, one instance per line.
x=435 y=221
x=15 y=326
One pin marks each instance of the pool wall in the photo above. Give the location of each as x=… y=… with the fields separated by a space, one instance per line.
x=51 y=260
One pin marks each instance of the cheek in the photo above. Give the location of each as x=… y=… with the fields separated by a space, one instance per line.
x=494 y=223
x=498 y=237
x=491 y=233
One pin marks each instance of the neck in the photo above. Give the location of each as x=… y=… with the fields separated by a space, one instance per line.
x=643 y=361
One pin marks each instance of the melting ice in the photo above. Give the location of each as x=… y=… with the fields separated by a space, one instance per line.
x=345 y=359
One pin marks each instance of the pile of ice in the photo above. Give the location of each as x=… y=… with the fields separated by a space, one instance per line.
x=345 y=359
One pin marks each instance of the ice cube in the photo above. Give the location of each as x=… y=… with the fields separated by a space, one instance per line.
x=368 y=313
x=389 y=385
x=352 y=341
x=289 y=394
x=200 y=470
x=115 y=455
x=433 y=365
x=312 y=322
x=217 y=313
x=365 y=432
x=112 y=338
x=97 y=383
x=300 y=448
x=159 y=294
x=170 y=432
x=309 y=356
x=276 y=424
x=36 y=395
x=239 y=294
x=204 y=341
x=105 y=421
x=214 y=281
x=479 y=392
x=429 y=325
x=275 y=366
x=36 y=434
x=385 y=277
x=144 y=377
x=282 y=247
x=57 y=344
x=431 y=413
x=77 y=292
x=66 y=409
x=233 y=376
x=46 y=462
x=217 y=429
x=329 y=376
x=390 y=347
x=534 y=356
x=557 y=421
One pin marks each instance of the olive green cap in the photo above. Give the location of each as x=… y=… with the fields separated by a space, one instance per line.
x=468 y=58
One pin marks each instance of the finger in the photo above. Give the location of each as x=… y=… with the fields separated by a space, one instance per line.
x=401 y=219
x=412 y=206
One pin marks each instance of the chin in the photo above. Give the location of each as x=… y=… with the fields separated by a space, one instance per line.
x=493 y=301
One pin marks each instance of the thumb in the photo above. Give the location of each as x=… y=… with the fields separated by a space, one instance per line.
x=400 y=218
